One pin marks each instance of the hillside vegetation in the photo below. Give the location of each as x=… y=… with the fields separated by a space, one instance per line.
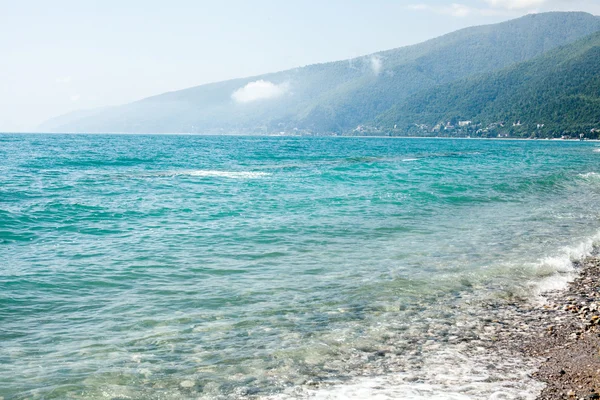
x=552 y=95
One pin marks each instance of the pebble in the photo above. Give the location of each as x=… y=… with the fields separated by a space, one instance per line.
x=187 y=384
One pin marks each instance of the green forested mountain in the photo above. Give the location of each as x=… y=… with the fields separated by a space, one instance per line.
x=338 y=96
x=554 y=94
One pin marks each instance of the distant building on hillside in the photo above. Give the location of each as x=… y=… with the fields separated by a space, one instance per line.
x=464 y=123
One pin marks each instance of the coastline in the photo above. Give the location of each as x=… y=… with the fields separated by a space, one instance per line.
x=263 y=135
x=563 y=333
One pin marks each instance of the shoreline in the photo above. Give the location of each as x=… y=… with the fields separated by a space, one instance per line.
x=298 y=136
x=543 y=348
x=563 y=333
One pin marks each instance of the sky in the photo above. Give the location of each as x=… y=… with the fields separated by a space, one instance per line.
x=65 y=55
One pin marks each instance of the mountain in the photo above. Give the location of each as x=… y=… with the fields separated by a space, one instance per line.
x=337 y=96
x=559 y=90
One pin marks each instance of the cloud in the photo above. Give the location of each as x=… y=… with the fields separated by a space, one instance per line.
x=75 y=97
x=259 y=90
x=461 y=10
x=63 y=79
x=515 y=4
x=376 y=64
x=454 y=9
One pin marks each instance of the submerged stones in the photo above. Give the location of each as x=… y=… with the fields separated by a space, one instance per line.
x=187 y=384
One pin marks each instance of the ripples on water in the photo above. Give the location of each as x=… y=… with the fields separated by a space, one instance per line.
x=220 y=267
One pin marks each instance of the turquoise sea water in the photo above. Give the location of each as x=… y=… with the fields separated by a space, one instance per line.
x=176 y=267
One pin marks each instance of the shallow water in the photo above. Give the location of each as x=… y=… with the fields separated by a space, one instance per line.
x=220 y=267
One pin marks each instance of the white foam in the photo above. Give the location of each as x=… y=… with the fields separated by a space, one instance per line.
x=596 y=150
x=410 y=159
x=456 y=373
x=223 y=174
x=559 y=270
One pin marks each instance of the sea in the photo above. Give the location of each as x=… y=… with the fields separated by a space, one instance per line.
x=226 y=267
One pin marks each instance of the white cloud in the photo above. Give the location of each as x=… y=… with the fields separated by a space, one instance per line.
x=259 y=90
x=505 y=8
x=454 y=9
x=63 y=79
x=460 y=10
x=376 y=64
x=515 y=4
x=75 y=97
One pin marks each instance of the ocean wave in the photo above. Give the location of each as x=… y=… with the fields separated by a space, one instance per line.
x=593 y=175
x=409 y=159
x=557 y=271
x=589 y=178
x=207 y=173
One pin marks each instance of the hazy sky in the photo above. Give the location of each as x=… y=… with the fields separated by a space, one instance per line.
x=62 y=55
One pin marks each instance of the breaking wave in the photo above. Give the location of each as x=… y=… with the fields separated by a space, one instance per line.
x=207 y=173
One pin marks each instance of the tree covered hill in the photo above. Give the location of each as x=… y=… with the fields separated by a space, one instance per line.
x=552 y=95
x=338 y=96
